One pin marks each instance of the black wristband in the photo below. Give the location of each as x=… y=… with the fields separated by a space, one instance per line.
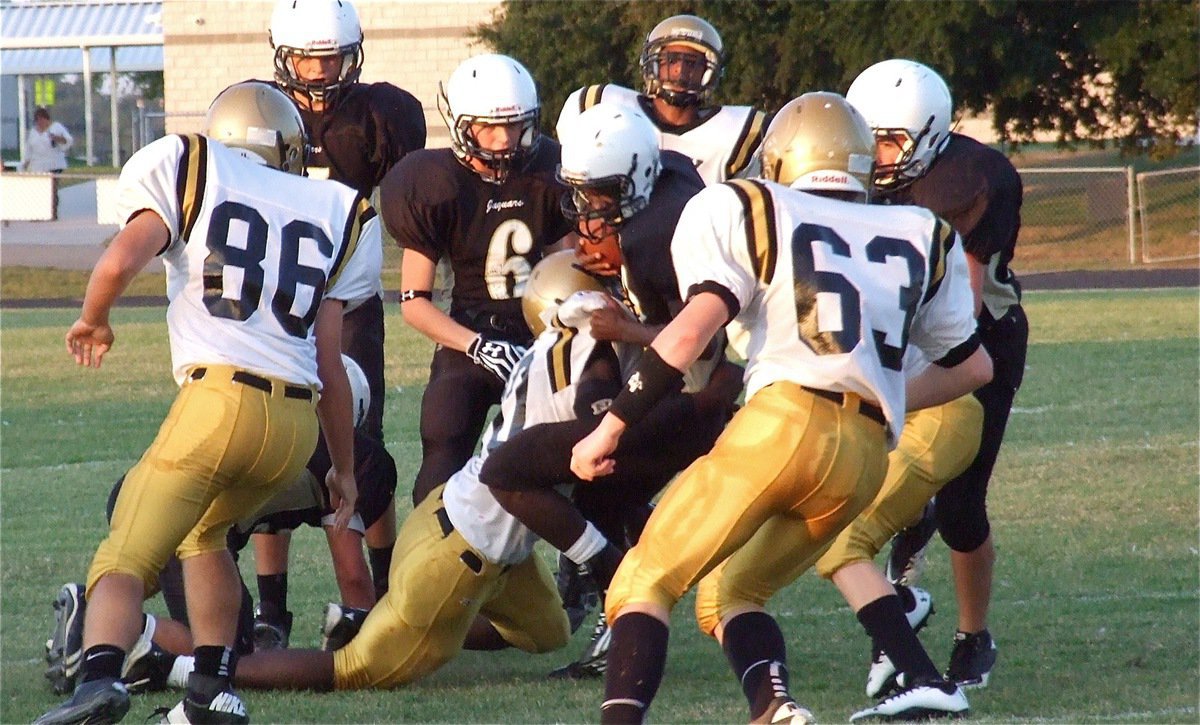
x=651 y=381
x=413 y=294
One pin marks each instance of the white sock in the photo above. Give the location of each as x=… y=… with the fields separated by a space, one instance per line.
x=590 y=543
x=183 y=666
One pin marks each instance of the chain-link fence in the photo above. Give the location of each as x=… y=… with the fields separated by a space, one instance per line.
x=1169 y=209
x=1077 y=218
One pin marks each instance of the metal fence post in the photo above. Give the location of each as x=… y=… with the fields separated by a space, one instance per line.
x=1132 y=231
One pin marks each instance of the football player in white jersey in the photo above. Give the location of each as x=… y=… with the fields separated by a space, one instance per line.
x=258 y=264
x=828 y=293
x=682 y=62
x=464 y=574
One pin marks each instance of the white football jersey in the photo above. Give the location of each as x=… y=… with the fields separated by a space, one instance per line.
x=723 y=145
x=252 y=253
x=831 y=293
x=541 y=389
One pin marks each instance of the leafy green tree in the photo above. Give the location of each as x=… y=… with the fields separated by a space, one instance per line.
x=1085 y=70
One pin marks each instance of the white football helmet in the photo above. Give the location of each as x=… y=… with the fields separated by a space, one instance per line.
x=696 y=33
x=904 y=98
x=256 y=119
x=315 y=28
x=819 y=143
x=360 y=390
x=491 y=89
x=612 y=151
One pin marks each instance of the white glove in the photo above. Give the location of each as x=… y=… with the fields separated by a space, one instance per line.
x=496 y=356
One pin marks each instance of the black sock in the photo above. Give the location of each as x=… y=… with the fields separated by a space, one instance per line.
x=885 y=622
x=272 y=596
x=215 y=661
x=100 y=662
x=907 y=600
x=604 y=565
x=756 y=651
x=635 y=667
x=381 y=562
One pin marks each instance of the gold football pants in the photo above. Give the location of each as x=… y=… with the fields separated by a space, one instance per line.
x=937 y=444
x=788 y=473
x=223 y=450
x=436 y=586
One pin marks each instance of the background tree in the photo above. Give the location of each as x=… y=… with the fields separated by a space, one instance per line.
x=1084 y=70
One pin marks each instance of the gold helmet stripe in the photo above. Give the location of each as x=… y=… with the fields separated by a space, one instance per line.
x=189 y=181
x=362 y=213
x=944 y=238
x=749 y=139
x=559 y=359
x=590 y=96
x=759 y=218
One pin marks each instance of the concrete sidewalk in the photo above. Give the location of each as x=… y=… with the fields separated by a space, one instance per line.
x=73 y=241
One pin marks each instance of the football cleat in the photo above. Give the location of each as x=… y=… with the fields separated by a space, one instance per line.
x=203 y=705
x=147 y=665
x=339 y=625
x=972 y=659
x=906 y=560
x=594 y=660
x=64 y=649
x=99 y=701
x=785 y=711
x=270 y=633
x=881 y=676
x=922 y=701
x=578 y=590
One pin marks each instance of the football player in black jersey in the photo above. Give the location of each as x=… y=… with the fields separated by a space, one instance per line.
x=490 y=205
x=624 y=189
x=977 y=190
x=357 y=131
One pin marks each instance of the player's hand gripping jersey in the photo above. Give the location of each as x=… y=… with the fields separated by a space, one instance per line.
x=830 y=297
x=248 y=263
x=542 y=389
x=721 y=143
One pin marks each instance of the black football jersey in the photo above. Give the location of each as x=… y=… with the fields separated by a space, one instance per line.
x=648 y=273
x=976 y=189
x=370 y=128
x=492 y=234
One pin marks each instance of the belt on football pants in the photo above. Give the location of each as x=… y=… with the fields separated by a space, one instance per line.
x=868 y=410
x=468 y=557
x=260 y=383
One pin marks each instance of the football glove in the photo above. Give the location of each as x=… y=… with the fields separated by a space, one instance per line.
x=496 y=356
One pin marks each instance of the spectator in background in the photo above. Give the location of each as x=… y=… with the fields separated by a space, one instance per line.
x=47 y=144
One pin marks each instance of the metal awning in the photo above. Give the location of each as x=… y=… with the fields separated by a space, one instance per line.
x=74 y=23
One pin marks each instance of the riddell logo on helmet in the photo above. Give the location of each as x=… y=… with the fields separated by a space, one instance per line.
x=505 y=109
x=828 y=178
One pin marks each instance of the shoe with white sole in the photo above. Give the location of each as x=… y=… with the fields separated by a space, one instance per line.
x=922 y=701
x=881 y=675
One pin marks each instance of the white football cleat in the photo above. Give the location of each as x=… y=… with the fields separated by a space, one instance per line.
x=919 y=702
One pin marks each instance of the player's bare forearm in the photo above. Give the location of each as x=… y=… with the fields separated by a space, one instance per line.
x=424 y=317
x=417 y=274
x=335 y=411
x=683 y=340
x=936 y=385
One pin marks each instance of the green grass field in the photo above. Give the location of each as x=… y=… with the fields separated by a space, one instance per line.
x=1094 y=504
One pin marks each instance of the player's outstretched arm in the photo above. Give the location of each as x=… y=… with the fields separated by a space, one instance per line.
x=134 y=246
x=936 y=384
